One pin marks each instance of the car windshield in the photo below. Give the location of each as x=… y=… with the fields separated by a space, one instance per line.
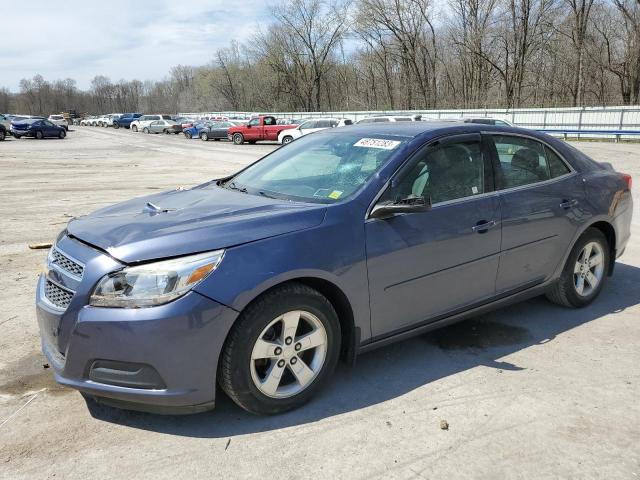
x=319 y=168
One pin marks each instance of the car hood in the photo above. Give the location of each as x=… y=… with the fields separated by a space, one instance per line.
x=182 y=222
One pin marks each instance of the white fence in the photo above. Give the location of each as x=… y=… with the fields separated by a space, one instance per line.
x=587 y=118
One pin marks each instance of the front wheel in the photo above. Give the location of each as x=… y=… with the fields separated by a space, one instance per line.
x=39 y=135
x=116 y=125
x=134 y=128
x=2 y=135
x=281 y=351
x=584 y=273
x=238 y=139
x=166 y=132
x=287 y=139
x=62 y=134
x=188 y=135
x=145 y=130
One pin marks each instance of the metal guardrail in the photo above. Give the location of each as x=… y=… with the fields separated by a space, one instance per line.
x=616 y=121
x=565 y=133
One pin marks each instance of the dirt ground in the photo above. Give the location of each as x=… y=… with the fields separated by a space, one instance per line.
x=530 y=391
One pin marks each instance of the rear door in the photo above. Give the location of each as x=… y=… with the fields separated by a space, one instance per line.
x=424 y=265
x=540 y=201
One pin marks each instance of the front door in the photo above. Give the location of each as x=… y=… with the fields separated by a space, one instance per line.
x=425 y=265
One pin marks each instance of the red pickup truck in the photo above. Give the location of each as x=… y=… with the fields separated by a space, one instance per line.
x=258 y=129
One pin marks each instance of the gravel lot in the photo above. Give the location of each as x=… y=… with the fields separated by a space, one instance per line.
x=529 y=391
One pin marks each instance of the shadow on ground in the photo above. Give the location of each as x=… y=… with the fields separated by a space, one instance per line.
x=393 y=371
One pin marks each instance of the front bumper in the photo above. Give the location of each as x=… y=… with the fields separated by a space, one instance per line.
x=180 y=341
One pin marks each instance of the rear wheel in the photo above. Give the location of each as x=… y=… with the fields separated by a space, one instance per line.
x=134 y=128
x=116 y=125
x=204 y=136
x=287 y=139
x=166 y=132
x=2 y=135
x=39 y=135
x=238 y=139
x=584 y=273
x=188 y=135
x=145 y=130
x=281 y=351
x=62 y=134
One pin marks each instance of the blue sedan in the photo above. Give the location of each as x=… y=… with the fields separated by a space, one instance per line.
x=37 y=128
x=336 y=244
x=195 y=129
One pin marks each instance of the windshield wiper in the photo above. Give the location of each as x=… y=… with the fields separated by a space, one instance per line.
x=265 y=194
x=233 y=186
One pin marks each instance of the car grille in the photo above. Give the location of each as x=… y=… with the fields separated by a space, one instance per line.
x=65 y=263
x=58 y=296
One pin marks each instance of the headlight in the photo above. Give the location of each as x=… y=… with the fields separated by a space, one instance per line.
x=154 y=283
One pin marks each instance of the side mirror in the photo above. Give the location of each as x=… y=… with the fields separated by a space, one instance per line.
x=248 y=126
x=410 y=204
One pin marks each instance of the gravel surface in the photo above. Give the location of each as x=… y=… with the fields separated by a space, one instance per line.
x=528 y=391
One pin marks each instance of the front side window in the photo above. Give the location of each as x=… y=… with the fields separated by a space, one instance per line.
x=524 y=161
x=255 y=122
x=442 y=174
x=318 y=168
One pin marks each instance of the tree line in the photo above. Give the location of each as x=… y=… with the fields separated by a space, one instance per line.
x=323 y=55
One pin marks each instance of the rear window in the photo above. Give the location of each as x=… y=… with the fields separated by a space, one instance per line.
x=56 y=117
x=166 y=117
x=403 y=119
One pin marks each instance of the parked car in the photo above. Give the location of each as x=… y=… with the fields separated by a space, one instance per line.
x=109 y=120
x=60 y=121
x=36 y=128
x=163 y=126
x=86 y=122
x=215 y=131
x=124 y=121
x=258 y=129
x=310 y=126
x=5 y=120
x=194 y=130
x=390 y=118
x=145 y=121
x=341 y=242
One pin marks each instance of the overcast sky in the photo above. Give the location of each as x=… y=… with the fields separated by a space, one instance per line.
x=118 y=38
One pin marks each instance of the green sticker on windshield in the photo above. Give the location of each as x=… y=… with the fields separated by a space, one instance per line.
x=335 y=194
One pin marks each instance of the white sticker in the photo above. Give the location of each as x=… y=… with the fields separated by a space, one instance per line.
x=377 y=143
x=474 y=190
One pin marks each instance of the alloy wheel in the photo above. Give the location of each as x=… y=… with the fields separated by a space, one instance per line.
x=288 y=354
x=588 y=269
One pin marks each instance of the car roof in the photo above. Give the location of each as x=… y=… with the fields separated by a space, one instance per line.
x=426 y=129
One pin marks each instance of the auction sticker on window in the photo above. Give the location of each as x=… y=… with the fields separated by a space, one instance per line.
x=377 y=143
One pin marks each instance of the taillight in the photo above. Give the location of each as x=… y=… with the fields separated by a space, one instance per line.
x=627 y=178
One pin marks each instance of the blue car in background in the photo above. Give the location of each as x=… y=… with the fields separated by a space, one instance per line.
x=125 y=120
x=194 y=130
x=37 y=128
x=333 y=245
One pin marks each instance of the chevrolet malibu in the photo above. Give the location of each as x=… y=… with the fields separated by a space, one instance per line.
x=333 y=245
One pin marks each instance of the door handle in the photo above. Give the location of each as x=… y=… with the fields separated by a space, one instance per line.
x=567 y=204
x=483 y=226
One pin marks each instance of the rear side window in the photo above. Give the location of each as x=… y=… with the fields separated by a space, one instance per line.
x=524 y=161
x=166 y=117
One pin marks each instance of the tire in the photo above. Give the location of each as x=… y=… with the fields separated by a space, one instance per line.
x=238 y=139
x=287 y=139
x=62 y=134
x=134 y=128
x=2 y=135
x=145 y=130
x=39 y=135
x=240 y=375
x=116 y=125
x=166 y=132
x=567 y=291
x=188 y=135
x=204 y=136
